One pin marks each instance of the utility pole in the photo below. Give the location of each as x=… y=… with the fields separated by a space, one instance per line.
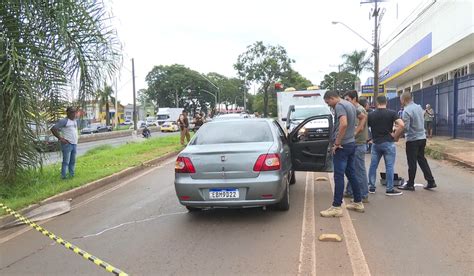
x=116 y=105
x=245 y=97
x=376 y=50
x=134 y=97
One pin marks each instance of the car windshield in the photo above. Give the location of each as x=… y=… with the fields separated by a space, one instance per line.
x=233 y=132
x=163 y=117
x=304 y=113
x=94 y=125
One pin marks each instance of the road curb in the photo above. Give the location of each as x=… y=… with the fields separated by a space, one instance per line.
x=91 y=186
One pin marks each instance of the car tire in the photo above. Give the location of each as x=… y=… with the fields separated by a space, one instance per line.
x=292 y=178
x=284 y=204
x=193 y=209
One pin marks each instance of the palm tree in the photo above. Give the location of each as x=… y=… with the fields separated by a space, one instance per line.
x=104 y=97
x=47 y=47
x=357 y=62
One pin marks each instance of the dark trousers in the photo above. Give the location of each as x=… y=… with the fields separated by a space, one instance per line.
x=416 y=153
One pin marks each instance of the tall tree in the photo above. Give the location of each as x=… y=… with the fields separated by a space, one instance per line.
x=105 y=96
x=339 y=81
x=170 y=86
x=294 y=79
x=357 y=62
x=43 y=46
x=264 y=64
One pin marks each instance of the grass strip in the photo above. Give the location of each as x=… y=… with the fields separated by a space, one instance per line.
x=35 y=185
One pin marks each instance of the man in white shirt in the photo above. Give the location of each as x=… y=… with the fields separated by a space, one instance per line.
x=66 y=131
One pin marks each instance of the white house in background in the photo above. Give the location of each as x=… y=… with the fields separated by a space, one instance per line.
x=438 y=46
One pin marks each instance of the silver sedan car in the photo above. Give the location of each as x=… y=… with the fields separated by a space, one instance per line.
x=248 y=163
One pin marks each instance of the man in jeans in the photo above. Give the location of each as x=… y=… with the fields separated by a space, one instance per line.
x=381 y=122
x=343 y=151
x=415 y=143
x=68 y=128
x=361 y=137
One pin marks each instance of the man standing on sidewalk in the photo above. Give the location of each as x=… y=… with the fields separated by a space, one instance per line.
x=68 y=127
x=343 y=151
x=381 y=122
x=415 y=143
x=361 y=137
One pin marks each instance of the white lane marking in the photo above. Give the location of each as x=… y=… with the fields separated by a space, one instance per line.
x=130 y=222
x=307 y=260
x=99 y=195
x=356 y=255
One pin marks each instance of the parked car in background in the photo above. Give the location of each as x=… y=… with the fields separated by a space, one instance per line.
x=151 y=121
x=297 y=114
x=169 y=127
x=140 y=124
x=47 y=143
x=248 y=163
x=466 y=117
x=96 y=128
x=231 y=116
x=127 y=122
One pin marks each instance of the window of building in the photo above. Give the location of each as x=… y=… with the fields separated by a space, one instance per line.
x=471 y=68
x=428 y=83
x=441 y=78
x=408 y=89
x=416 y=87
x=459 y=72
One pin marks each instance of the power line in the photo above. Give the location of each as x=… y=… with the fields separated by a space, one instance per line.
x=413 y=21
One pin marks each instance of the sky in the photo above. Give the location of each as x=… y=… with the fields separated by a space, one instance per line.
x=208 y=35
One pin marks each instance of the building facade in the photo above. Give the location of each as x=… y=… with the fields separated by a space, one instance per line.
x=437 y=47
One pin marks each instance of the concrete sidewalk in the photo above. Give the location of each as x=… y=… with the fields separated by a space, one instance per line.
x=455 y=150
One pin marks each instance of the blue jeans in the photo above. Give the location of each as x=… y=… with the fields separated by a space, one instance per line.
x=69 y=159
x=360 y=172
x=389 y=151
x=343 y=161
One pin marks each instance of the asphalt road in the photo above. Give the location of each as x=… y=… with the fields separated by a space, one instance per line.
x=82 y=148
x=139 y=226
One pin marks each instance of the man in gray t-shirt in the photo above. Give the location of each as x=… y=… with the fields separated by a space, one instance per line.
x=66 y=131
x=343 y=151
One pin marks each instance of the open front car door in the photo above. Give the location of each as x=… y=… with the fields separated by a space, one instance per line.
x=310 y=144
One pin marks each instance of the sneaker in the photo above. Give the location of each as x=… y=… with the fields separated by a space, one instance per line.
x=371 y=190
x=430 y=186
x=355 y=206
x=332 y=212
x=346 y=195
x=393 y=193
x=365 y=200
x=407 y=187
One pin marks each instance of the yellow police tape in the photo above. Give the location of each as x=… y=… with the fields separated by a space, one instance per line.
x=65 y=243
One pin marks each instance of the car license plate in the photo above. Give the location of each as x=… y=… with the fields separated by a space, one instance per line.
x=223 y=193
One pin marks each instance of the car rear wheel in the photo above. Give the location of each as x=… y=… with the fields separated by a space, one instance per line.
x=284 y=204
x=193 y=209
x=292 y=178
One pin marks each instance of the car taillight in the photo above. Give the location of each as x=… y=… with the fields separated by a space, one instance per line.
x=267 y=162
x=184 y=165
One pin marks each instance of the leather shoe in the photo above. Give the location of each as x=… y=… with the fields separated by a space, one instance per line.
x=407 y=187
x=430 y=186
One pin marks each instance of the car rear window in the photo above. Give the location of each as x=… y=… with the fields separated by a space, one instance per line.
x=233 y=132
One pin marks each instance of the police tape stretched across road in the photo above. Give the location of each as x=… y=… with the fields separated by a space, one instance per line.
x=65 y=243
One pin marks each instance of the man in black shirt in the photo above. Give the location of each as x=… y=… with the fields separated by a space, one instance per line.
x=381 y=123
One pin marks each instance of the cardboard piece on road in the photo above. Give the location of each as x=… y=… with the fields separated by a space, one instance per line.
x=322 y=178
x=43 y=212
x=330 y=237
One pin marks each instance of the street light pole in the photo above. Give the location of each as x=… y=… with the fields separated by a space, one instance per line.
x=376 y=52
x=215 y=96
x=218 y=89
